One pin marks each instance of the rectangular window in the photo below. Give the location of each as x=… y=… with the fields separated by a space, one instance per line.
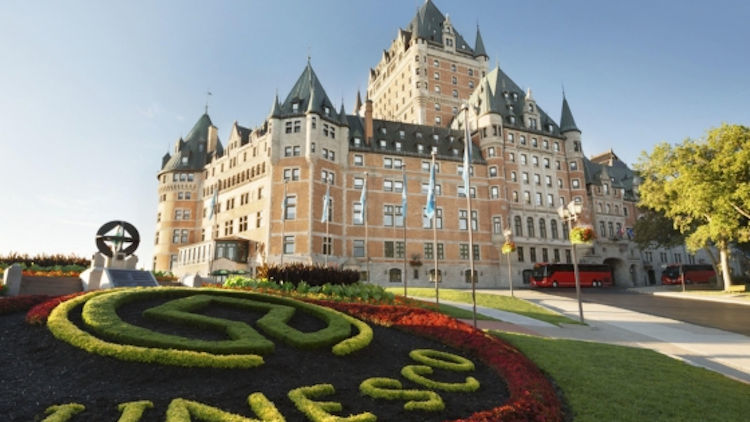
x=497 y=225
x=532 y=254
x=297 y=150
x=288 y=245
x=258 y=219
x=290 y=213
x=358 y=248
x=427 y=222
x=463 y=251
x=388 y=249
x=519 y=251
x=359 y=160
x=327 y=245
x=357 y=217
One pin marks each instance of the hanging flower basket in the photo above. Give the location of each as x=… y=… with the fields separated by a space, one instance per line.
x=508 y=247
x=582 y=235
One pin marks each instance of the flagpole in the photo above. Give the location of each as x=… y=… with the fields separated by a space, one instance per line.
x=467 y=179
x=403 y=212
x=283 y=225
x=434 y=232
x=327 y=208
x=364 y=216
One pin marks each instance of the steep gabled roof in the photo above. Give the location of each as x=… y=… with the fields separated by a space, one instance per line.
x=428 y=25
x=309 y=95
x=190 y=153
x=501 y=100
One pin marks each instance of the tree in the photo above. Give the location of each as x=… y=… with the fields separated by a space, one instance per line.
x=653 y=228
x=703 y=186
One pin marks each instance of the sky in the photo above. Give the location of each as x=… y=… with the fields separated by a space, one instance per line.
x=93 y=94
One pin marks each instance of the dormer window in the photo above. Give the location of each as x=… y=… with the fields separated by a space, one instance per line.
x=420 y=148
x=505 y=95
x=419 y=134
x=454 y=151
x=512 y=120
x=549 y=128
x=515 y=96
x=531 y=108
x=401 y=134
x=295 y=107
x=383 y=130
x=327 y=110
x=382 y=143
x=435 y=137
x=398 y=146
x=184 y=160
x=357 y=142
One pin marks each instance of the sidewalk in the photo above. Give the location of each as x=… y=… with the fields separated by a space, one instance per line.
x=676 y=292
x=720 y=351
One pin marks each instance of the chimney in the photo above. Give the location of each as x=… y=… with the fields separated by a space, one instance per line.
x=368 y=120
x=213 y=136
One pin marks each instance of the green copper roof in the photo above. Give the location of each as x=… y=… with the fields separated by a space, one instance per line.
x=479 y=46
x=191 y=152
x=309 y=96
x=428 y=25
x=567 y=123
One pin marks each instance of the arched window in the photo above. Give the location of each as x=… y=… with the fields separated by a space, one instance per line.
x=530 y=227
x=439 y=275
x=394 y=275
x=553 y=228
x=566 y=231
x=542 y=228
x=518 y=225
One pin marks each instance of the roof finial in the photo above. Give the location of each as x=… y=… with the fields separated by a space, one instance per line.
x=208 y=94
x=563 y=88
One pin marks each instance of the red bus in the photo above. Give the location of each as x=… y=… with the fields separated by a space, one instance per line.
x=561 y=275
x=692 y=274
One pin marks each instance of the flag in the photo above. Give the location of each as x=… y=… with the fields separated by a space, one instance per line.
x=467 y=159
x=363 y=199
x=429 y=210
x=213 y=203
x=403 y=200
x=326 y=200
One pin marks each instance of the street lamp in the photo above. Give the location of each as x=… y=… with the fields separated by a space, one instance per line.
x=506 y=249
x=570 y=214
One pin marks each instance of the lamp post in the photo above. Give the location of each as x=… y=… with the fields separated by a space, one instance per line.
x=508 y=240
x=570 y=214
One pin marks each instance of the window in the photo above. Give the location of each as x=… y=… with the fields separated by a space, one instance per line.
x=436 y=76
x=357 y=216
x=242 y=224
x=537 y=179
x=573 y=165
x=491 y=151
x=427 y=222
x=548 y=181
x=393 y=216
x=228 y=227
x=178 y=214
x=455 y=93
x=532 y=254
x=438 y=120
x=524 y=160
x=556 y=146
x=288 y=127
x=359 y=160
x=527 y=197
x=576 y=184
x=542 y=229
x=493 y=171
x=437 y=88
x=518 y=226
x=515 y=196
x=358 y=183
x=530 y=226
x=559 y=183
x=297 y=126
x=513 y=176
x=288 y=245
x=546 y=163
x=519 y=251
x=358 y=248
x=290 y=211
x=535 y=160
x=511 y=157
x=394 y=275
x=428 y=252
x=494 y=192
x=291 y=174
x=550 y=200
x=497 y=225
x=553 y=228
x=565 y=230
x=525 y=177
x=327 y=245
x=258 y=219
x=436 y=63
x=538 y=199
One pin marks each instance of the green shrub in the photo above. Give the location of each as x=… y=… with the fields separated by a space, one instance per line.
x=133 y=411
x=181 y=410
x=351 y=292
x=63 y=412
x=313 y=275
x=44 y=260
x=317 y=411
x=443 y=360
x=391 y=389
x=415 y=373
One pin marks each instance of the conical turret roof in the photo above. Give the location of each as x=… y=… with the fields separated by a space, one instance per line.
x=567 y=122
x=308 y=95
x=479 y=46
x=428 y=25
x=190 y=153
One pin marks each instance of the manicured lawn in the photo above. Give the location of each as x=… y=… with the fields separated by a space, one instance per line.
x=503 y=303
x=459 y=313
x=606 y=383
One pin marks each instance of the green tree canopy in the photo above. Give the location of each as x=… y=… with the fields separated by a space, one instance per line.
x=703 y=186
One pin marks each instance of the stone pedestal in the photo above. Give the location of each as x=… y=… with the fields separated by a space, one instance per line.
x=12 y=280
x=92 y=277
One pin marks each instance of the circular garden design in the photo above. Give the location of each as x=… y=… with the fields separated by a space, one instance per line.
x=211 y=354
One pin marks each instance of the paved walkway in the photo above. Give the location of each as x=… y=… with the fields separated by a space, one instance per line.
x=717 y=350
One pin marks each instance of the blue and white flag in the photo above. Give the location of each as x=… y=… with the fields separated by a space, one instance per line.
x=363 y=200
x=213 y=203
x=403 y=200
x=429 y=210
x=467 y=160
x=326 y=200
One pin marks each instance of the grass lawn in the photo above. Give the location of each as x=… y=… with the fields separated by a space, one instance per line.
x=459 y=313
x=500 y=302
x=613 y=383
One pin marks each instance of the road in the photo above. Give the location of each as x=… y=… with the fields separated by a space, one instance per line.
x=723 y=316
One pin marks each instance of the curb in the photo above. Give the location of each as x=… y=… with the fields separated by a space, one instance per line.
x=680 y=295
